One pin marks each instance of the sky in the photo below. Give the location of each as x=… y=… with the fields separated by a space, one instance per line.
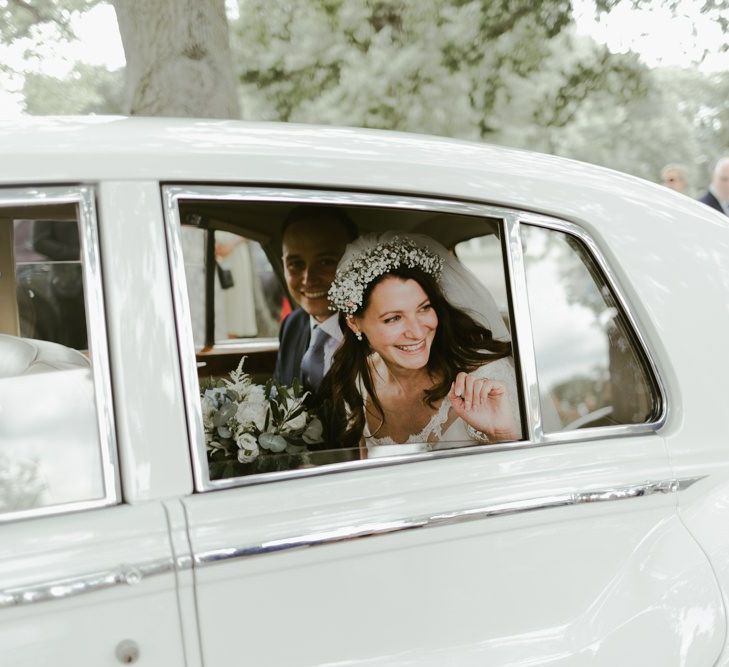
x=659 y=37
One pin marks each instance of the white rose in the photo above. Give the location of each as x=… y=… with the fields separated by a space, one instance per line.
x=272 y=442
x=247 y=447
x=256 y=394
x=297 y=423
x=208 y=411
x=313 y=432
x=252 y=413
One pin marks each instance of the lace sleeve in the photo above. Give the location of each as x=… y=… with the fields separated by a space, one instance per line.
x=503 y=371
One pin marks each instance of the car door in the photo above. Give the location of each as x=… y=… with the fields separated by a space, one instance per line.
x=561 y=549
x=85 y=577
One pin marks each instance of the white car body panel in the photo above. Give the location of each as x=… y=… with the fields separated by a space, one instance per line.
x=639 y=580
x=125 y=547
x=155 y=461
x=553 y=586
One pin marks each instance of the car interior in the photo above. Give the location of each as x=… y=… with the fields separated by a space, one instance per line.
x=261 y=222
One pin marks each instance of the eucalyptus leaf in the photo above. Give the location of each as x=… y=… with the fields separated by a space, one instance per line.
x=272 y=442
x=276 y=412
x=226 y=413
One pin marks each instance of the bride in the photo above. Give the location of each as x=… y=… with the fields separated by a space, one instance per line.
x=419 y=368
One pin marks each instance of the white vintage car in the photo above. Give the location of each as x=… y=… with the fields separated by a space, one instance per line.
x=600 y=538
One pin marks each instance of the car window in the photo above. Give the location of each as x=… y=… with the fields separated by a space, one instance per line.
x=247 y=297
x=257 y=410
x=50 y=447
x=590 y=368
x=484 y=257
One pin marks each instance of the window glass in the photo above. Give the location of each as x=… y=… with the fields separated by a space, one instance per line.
x=50 y=449
x=265 y=409
x=589 y=366
x=248 y=298
x=50 y=284
x=483 y=256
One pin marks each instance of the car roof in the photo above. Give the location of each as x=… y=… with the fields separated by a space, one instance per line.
x=94 y=148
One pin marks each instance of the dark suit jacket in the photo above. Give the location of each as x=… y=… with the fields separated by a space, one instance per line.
x=293 y=339
x=712 y=201
x=56 y=239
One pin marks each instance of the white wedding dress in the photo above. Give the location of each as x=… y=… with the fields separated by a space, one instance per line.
x=444 y=430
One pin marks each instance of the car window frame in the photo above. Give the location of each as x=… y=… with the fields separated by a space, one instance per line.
x=642 y=345
x=84 y=198
x=509 y=220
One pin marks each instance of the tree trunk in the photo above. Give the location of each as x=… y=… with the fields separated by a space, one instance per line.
x=178 y=58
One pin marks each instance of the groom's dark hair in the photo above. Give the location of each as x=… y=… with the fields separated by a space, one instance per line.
x=460 y=344
x=333 y=215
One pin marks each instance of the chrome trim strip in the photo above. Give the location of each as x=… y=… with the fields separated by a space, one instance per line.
x=185 y=340
x=512 y=507
x=619 y=294
x=97 y=337
x=521 y=328
x=84 y=198
x=512 y=218
x=343 y=198
x=128 y=575
x=241 y=346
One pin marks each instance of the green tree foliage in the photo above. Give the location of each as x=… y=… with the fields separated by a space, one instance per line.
x=21 y=19
x=506 y=71
x=480 y=69
x=88 y=89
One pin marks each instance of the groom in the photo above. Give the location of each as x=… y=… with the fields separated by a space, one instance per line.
x=313 y=241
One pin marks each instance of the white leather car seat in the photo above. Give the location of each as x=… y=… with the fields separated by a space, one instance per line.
x=23 y=356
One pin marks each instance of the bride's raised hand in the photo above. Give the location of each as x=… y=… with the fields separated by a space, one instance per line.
x=484 y=405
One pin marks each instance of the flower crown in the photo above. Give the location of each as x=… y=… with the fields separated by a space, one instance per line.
x=347 y=291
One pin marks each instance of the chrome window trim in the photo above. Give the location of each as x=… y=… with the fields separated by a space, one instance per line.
x=511 y=219
x=123 y=575
x=648 y=353
x=185 y=338
x=83 y=196
x=511 y=507
x=522 y=327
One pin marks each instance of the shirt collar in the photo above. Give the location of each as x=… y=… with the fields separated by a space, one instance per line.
x=330 y=325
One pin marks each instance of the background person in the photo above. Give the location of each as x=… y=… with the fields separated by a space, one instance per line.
x=718 y=194
x=58 y=240
x=313 y=241
x=675 y=177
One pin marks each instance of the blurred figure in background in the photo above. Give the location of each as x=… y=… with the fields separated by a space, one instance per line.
x=248 y=312
x=718 y=194
x=675 y=176
x=58 y=241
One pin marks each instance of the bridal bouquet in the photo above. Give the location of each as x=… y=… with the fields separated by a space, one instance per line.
x=256 y=428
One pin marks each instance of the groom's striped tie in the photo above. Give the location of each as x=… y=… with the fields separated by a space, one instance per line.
x=312 y=364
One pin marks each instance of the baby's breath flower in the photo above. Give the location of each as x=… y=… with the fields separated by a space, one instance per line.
x=347 y=291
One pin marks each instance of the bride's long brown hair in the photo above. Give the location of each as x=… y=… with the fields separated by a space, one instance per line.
x=460 y=344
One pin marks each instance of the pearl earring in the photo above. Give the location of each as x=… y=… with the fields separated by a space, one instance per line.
x=358 y=334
